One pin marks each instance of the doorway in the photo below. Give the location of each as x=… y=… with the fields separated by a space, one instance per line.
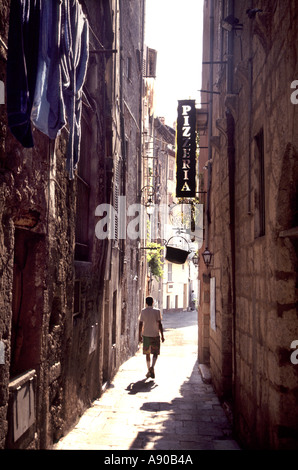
x=27 y=304
x=185 y=296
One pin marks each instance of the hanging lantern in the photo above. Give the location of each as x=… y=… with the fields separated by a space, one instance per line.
x=176 y=255
x=207 y=255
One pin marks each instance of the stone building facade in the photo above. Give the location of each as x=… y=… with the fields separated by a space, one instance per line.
x=164 y=155
x=250 y=62
x=66 y=319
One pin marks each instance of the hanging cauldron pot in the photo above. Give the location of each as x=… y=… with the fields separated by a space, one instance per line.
x=176 y=255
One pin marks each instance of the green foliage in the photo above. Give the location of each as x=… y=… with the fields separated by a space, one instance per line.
x=154 y=258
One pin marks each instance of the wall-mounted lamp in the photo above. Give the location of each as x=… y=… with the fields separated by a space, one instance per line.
x=208 y=162
x=149 y=206
x=195 y=259
x=251 y=12
x=231 y=23
x=207 y=255
x=148 y=192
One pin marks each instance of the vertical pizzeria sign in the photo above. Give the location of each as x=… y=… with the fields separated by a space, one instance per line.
x=186 y=149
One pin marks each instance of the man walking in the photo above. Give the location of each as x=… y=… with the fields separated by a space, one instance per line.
x=149 y=327
x=193 y=300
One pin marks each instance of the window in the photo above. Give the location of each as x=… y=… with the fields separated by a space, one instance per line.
x=259 y=213
x=114 y=323
x=149 y=62
x=27 y=302
x=128 y=68
x=117 y=192
x=171 y=170
x=170 y=272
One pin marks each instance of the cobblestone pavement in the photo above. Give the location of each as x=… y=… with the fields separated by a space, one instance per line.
x=174 y=411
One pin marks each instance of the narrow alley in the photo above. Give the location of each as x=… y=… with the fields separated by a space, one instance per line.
x=174 y=411
x=148 y=149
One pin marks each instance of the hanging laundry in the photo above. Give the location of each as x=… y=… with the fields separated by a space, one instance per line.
x=22 y=60
x=75 y=40
x=62 y=67
x=48 y=51
x=48 y=110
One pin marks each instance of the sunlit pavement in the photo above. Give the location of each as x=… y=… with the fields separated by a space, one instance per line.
x=174 y=411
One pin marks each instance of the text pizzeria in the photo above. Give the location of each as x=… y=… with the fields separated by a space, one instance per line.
x=186 y=149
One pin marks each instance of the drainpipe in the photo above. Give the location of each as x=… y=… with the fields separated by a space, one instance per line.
x=230 y=65
x=143 y=4
x=123 y=146
x=122 y=243
x=231 y=164
x=141 y=256
x=211 y=42
x=249 y=116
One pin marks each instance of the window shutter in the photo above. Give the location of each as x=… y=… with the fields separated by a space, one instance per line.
x=117 y=185
x=149 y=62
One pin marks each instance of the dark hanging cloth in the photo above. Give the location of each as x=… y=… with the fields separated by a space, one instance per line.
x=48 y=51
x=48 y=111
x=62 y=67
x=23 y=45
x=75 y=54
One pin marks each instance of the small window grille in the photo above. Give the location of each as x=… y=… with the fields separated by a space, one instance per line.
x=170 y=272
x=259 y=185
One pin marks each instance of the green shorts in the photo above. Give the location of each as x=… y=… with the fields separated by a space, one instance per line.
x=151 y=345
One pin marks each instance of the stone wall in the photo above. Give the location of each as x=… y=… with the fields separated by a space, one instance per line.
x=133 y=93
x=61 y=302
x=253 y=217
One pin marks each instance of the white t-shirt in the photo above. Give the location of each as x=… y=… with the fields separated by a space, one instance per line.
x=150 y=317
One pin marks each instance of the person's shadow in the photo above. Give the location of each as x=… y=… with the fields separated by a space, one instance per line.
x=141 y=386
